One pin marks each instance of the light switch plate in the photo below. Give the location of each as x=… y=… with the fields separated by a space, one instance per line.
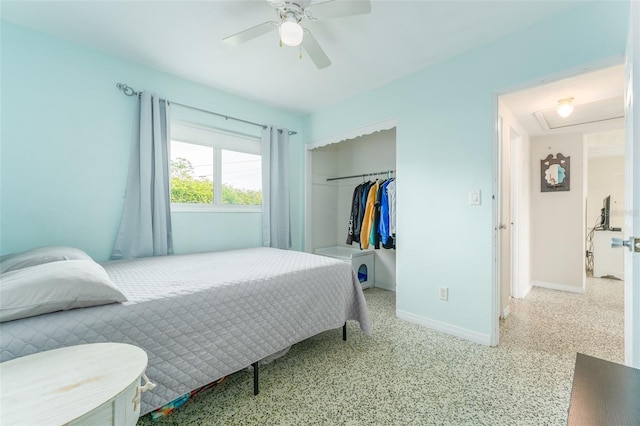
x=474 y=197
x=444 y=293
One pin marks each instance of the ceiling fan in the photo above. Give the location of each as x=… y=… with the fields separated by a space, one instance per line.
x=292 y=13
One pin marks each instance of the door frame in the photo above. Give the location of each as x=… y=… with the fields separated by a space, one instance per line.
x=494 y=338
x=505 y=136
x=632 y=193
x=515 y=148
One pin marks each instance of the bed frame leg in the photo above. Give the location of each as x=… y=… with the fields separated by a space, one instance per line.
x=255 y=378
x=344 y=332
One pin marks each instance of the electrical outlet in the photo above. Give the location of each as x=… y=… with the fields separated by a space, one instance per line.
x=444 y=293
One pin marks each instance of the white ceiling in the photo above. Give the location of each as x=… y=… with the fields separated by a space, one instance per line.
x=185 y=38
x=604 y=138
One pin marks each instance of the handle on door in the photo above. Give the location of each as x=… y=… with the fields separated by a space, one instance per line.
x=633 y=244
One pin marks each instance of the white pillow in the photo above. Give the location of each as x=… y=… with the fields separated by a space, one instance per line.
x=38 y=256
x=54 y=287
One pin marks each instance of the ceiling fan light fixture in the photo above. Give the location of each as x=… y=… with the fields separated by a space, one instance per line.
x=291 y=32
x=565 y=107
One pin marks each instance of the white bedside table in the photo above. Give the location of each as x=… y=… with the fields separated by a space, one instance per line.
x=86 y=384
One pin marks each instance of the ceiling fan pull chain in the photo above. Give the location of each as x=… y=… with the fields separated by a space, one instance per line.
x=300 y=47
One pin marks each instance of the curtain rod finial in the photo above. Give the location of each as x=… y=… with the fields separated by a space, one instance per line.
x=129 y=91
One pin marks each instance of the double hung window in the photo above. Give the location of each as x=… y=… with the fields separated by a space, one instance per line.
x=214 y=170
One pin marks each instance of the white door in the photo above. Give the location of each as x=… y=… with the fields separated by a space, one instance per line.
x=632 y=181
x=517 y=283
x=504 y=221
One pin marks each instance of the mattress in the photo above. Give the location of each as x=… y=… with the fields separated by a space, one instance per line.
x=202 y=316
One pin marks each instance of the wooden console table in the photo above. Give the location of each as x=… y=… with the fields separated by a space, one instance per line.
x=604 y=393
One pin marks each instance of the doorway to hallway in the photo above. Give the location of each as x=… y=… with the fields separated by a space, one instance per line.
x=541 y=233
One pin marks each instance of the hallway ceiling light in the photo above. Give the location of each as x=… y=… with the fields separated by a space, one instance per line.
x=600 y=115
x=565 y=107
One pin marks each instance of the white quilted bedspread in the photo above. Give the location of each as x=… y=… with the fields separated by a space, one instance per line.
x=202 y=316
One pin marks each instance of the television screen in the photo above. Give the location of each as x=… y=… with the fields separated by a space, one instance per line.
x=605 y=212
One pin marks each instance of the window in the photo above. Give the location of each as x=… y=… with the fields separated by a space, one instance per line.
x=214 y=170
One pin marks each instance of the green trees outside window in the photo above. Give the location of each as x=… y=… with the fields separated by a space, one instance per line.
x=187 y=188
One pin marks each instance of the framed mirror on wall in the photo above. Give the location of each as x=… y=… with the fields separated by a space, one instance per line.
x=555 y=173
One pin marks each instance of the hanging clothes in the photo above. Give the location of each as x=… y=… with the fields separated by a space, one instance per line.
x=364 y=194
x=354 y=218
x=367 y=221
x=383 y=228
x=372 y=217
x=374 y=238
x=391 y=193
x=358 y=204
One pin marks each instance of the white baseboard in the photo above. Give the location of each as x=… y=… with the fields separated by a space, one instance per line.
x=385 y=286
x=527 y=288
x=556 y=286
x=463 y=333
x=506 y=312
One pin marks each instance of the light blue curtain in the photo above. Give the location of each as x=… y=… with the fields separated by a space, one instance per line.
x=145 y=227
x=276 y=228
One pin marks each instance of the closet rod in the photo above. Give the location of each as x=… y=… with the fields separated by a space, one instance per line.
x=130 y=91
x=387 y=172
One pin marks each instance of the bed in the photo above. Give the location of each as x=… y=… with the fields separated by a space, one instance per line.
x=203 y=316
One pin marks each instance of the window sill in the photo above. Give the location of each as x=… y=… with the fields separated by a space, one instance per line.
x=200 y=208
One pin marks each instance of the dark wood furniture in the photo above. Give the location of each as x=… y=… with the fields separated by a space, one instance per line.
x=604 y=393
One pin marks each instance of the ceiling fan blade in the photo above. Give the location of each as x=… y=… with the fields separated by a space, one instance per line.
x=314 y=50
x=339 y=8
x=251 y=33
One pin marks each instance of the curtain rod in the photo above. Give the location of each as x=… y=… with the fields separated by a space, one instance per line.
x=388 y=172
x=130 y=91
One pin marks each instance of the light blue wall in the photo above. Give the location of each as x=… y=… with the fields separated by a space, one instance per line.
x=445 y=136
x=66 y=132
x=65 y=141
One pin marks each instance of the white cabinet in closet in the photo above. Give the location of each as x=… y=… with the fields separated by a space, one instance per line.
x=362 y=262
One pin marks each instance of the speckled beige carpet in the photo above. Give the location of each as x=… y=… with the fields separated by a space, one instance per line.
x=406 y=374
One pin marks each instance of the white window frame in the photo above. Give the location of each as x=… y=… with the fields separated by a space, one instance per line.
x=186 y=132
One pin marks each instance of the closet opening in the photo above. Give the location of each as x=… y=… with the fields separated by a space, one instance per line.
x=351 y=212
